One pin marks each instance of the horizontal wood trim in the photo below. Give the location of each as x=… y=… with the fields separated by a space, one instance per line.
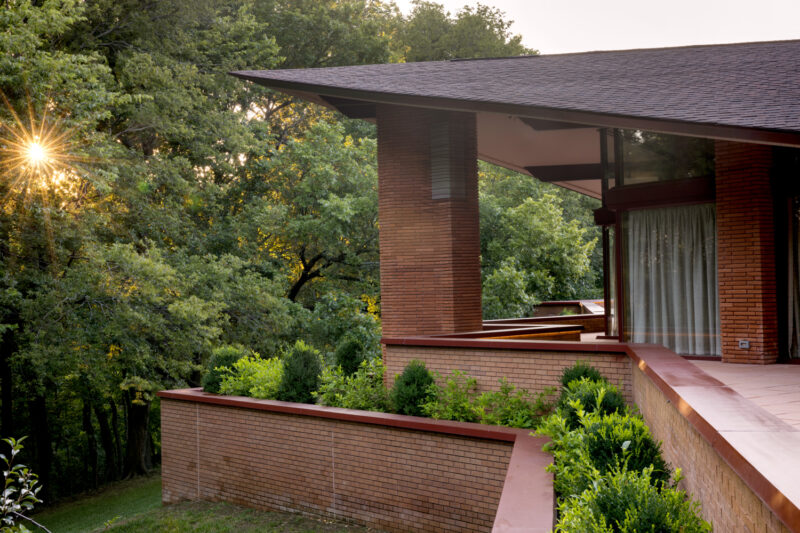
x=550 y=173
x=663 y=193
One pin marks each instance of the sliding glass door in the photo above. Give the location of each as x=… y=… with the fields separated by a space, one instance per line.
x=671 y=278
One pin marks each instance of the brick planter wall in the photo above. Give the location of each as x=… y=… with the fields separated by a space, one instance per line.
x=528 y=368
x=393 y=472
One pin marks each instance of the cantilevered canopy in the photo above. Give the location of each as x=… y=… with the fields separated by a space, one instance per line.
x=541 y=113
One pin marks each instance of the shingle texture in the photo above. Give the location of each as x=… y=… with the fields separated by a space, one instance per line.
x=750 y=85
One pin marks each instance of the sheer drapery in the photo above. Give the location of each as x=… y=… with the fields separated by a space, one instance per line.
x=672 y=278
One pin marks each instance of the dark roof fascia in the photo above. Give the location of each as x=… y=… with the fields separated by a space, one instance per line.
x=587 y=118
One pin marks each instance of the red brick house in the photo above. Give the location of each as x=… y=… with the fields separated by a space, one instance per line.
x=695 y=155
x=692 y=150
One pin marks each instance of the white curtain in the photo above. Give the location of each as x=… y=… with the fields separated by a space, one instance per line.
x=672 y=278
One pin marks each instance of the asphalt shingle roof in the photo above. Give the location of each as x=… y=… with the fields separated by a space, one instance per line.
x=749 y=85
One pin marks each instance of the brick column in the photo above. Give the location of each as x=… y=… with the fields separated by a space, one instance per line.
x=746 y=253
x=429 y=234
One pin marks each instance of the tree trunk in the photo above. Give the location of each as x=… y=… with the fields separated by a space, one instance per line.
x=8 y=346
x=137 y=451
x=91 y=445
x=107 y=441
x=115 y=433
x=42 y=441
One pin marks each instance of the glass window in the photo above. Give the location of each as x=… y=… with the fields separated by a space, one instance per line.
x=650 y=157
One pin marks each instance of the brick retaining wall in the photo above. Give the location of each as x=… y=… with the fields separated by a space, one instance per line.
x=334 y=463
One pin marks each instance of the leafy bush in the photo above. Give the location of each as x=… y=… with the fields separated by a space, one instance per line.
x=600 y=444
x=591 y=396
x=301 y=369
x=455 y=401
x=20 y=492
x=349 y=354
x=364 y=389
x=628 y=502
x=623 y=439
x=412 y=389
x=513 y=408
x=220 y=364
x=253 y=376
x=579 y=371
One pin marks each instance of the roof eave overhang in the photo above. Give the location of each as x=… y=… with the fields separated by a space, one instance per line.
x=587 y=118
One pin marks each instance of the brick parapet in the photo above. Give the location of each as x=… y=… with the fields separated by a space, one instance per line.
x=746 y=253
x=429 y=248
x=393 y=472
x=529 y=369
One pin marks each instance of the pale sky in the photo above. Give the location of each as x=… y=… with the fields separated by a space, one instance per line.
x=557 y=26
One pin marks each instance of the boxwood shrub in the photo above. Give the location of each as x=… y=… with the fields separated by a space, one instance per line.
x=625 y=501
x=591 y=396
x=301 y=369
x=220 y=363
x=412 y=389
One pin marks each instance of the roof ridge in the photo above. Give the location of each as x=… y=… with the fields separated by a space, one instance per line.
x=661 y=48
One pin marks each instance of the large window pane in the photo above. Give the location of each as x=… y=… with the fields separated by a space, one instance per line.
x=671 y=278
x=651 y=157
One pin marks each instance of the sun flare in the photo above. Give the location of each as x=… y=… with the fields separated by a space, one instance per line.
x=36 y=157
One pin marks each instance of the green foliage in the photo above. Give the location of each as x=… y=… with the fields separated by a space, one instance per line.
x=253 y=376
x=538 y=243
x=429 y=34
x=349 y=355
x=514 y=407
x=301 y=372
x=220 y=363
x=591 y=396
x=628 y=502
x=600 y=444
x=456 y=400
x=412 y=389
x=618 y=439
x=20 y=492
x=579 y=371
x=364 y=389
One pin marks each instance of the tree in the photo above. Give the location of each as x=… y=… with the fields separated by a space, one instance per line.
x=430 y=33
x=529 y=252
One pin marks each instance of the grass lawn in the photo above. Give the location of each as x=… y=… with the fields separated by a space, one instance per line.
x=135 y=506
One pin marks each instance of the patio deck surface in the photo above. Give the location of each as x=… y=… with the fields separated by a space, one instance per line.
x=774 y=388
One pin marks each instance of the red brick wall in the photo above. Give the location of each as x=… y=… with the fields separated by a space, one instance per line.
x=389 y=478
x=746 y=253
x=527 y=369
x=429 y=249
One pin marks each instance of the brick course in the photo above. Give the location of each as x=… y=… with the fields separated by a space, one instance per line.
x=429 y=248
x=390 y=478
x=746 y=253
x=527 y=369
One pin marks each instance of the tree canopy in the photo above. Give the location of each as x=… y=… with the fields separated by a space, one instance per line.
x=182 y=210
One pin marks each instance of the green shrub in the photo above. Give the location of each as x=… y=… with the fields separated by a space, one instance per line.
x=623 y=439
x=513 y=408
x=628 y=502
x=302 y=366
x=579 y=371
x=349 y=354
x=455 y=401
x=600 y=444
x=412 y=389
x=220 y=364
x=590 y=396
x=253 y=376
x=364 y=389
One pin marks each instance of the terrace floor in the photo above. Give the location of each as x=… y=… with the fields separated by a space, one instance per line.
x=774 y=388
